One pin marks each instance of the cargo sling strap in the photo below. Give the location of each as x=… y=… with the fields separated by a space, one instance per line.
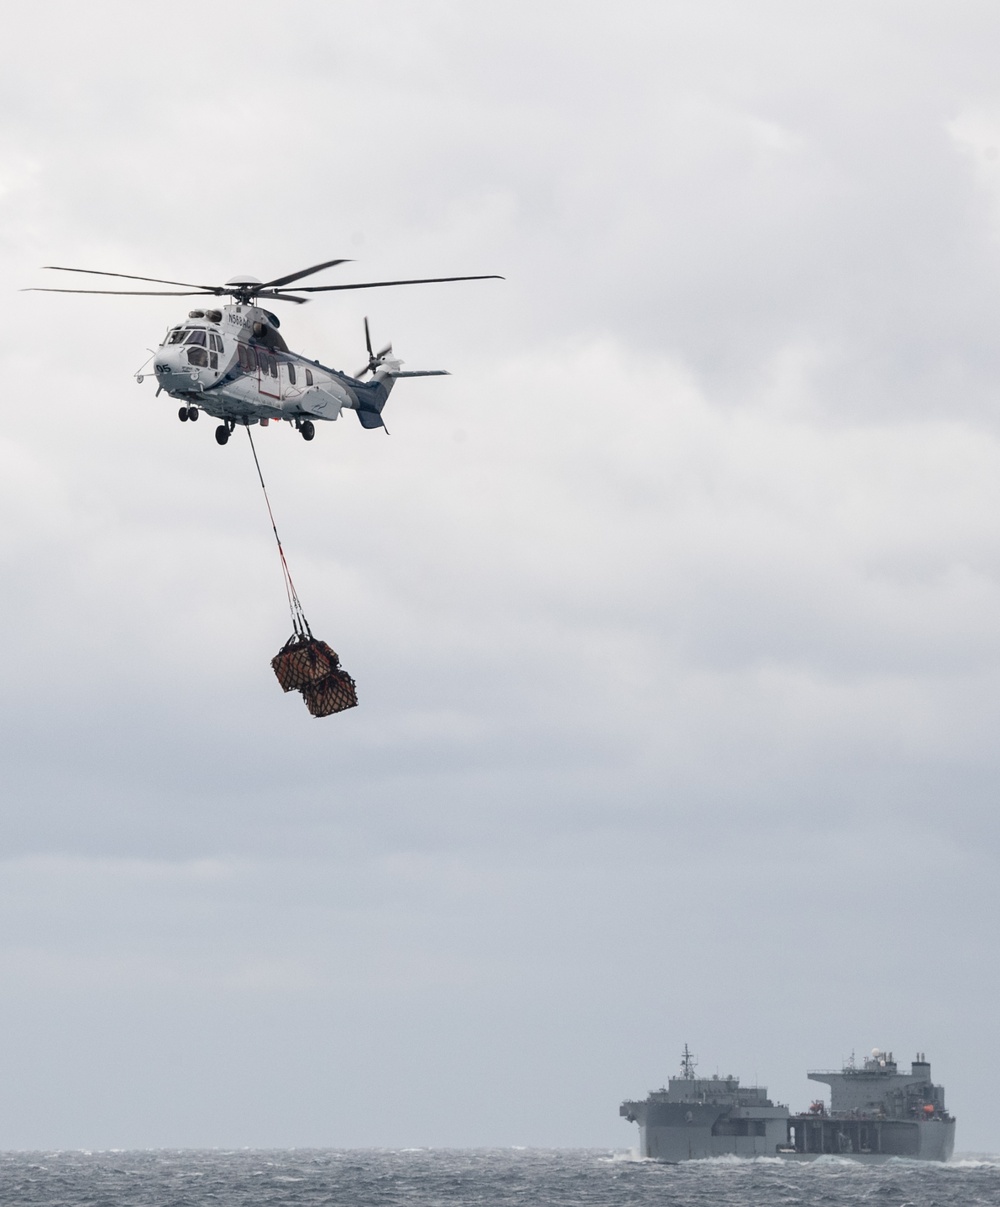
x=299 y=623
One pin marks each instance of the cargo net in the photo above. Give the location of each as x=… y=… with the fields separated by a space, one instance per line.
x=304 y=663
x=307 y=665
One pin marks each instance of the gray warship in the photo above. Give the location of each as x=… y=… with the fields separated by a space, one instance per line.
x=875 y=1113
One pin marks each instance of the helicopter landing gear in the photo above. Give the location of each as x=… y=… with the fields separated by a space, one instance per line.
x=307 y=428
x=182 y=414
x=222 y=434
x=193 y=413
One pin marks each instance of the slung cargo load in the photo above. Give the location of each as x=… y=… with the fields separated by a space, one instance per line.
x=307 y=665
x=302 y=661
x=331 y=694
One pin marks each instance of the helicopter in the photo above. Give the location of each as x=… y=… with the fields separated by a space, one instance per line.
x=231 y=362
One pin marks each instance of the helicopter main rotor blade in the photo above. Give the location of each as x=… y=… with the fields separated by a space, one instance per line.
x=133 y=293
x=164 y=293
x=96 y=272
x=379 y=284
x=306 y=272
x=368 y=338
x=279 y=297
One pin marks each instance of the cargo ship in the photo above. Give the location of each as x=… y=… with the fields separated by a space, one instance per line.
x=875 y=1113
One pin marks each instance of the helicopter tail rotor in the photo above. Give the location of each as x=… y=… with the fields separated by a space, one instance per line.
x=375 y=359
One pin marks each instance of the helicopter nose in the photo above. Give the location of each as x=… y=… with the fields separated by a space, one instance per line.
x=167 y=362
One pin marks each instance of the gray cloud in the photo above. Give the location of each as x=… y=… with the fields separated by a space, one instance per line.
x=672 y=611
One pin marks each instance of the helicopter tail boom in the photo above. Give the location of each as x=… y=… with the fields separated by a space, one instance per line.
x=370 y=399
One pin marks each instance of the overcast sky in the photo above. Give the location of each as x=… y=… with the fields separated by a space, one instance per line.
x=674 y=612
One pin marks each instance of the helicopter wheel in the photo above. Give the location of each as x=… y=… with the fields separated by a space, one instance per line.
x=193 y=413
x=222 y=434
x=182 y=414
x=308 y=429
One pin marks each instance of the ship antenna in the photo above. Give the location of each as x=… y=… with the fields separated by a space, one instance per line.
x=687 y=1064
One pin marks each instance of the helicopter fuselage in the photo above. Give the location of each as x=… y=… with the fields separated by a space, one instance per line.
x=232 y=363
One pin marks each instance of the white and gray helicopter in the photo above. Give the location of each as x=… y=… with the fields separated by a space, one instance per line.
x=231 y=362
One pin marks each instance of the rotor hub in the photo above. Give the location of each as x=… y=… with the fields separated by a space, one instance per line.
x=243 y=287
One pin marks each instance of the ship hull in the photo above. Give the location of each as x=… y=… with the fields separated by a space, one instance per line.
x=814 y=1136
x=670 y=1147
x=687 y=1131
x=866 y=1142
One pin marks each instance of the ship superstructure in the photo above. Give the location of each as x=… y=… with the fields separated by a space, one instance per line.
x=875 y=1112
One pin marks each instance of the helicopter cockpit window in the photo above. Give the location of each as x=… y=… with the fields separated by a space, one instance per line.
x=196 y=337
x=215 y=341
x=197 y=356
x=175 y=337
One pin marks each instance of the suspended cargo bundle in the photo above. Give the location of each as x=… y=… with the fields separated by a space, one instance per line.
x=304 y=663
x=331 y=694
x=302 y=660
x=308 y=665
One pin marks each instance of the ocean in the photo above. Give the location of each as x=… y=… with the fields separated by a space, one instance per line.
x=494 y=1177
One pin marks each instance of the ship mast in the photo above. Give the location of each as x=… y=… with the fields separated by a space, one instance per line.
x=687 y=1064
